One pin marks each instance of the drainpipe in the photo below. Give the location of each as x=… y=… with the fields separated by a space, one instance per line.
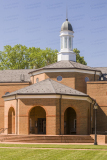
x=93 y=102
x=16 y=115
x=60 y=111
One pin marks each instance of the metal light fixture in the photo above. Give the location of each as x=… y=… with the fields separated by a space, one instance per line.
x=95 y=107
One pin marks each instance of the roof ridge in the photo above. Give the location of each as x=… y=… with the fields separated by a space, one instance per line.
x=67 y=86
x=51 y=64
x=71 y=63
x=43 y=67
x=52 y=84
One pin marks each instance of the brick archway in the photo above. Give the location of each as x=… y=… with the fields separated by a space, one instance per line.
x=37 y=120
x=70 y=121
x=11 y=121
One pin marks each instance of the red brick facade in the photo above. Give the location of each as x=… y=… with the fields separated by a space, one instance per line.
x=52 y=109
x=98 y=90
x=23 y=114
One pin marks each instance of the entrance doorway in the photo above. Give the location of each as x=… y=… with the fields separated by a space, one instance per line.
x=41 y=125
x=70 y=121
x=37 y=121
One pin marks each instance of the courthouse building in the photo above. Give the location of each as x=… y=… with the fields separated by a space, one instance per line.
x=57 y=99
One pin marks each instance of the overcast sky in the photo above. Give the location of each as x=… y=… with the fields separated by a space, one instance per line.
x=38 y=22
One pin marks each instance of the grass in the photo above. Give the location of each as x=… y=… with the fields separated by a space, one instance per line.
x=28 y=152
x=50 y=154
x=68 y=146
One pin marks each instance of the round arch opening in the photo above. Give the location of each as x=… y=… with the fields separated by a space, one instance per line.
x=37 y=121
x=11 y=121
x=70 y=121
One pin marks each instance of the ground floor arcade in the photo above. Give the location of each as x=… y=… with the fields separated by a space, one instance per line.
x=48 y=115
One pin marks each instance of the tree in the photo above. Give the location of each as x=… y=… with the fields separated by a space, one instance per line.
x=13 y=57
x=79 y=59
x=21 y=57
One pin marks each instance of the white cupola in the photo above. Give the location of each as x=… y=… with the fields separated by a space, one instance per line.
x=66 y=42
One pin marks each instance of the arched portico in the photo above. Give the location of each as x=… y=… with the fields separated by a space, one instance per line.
x=37 y=120
x=11 y=121
x=69 y=121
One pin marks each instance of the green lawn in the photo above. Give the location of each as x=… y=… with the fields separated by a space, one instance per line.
x=51 y=154
x=68 y=146
x=28 y=152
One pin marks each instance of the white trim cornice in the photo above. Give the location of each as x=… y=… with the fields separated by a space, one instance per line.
x=65 y=70
x=77 y=98
x=47 y=96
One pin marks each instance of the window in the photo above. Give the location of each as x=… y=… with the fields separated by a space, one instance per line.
x=59 y=78
x=86 y=79
x=65 y=42
x=61 y=42
x=69 y=42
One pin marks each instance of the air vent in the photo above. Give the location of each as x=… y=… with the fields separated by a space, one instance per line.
x=7 y=93
x=22 y=77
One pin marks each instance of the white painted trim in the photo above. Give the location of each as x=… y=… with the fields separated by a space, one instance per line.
x=30 y=96
x=48 y=96
x=77 y=98
x=36 y=96
x=9 y=98
x=65 y=70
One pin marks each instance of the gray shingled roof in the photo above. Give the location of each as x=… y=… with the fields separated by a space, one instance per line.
x=102 y=69
x=15 y=75
x=66 y=65
x=47 y=86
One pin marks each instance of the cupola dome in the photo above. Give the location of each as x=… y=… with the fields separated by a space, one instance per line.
x=66 y=26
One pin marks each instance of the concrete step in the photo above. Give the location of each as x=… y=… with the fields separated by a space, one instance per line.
x=47 y=139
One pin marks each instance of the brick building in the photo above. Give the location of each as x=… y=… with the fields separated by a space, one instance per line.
x=57 y=99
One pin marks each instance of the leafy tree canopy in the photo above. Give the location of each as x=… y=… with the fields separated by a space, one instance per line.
x=21 y=57
x=79 y=59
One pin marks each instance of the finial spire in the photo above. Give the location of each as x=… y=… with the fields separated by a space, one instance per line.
x=66 y=13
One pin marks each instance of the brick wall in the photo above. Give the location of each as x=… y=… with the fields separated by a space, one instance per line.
x=7 y=87
x=98 y=91
x=49 y=106
x=82 y=116
x=72 y=79
x=40 y=77
x=52 y=109
x=9 y=106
